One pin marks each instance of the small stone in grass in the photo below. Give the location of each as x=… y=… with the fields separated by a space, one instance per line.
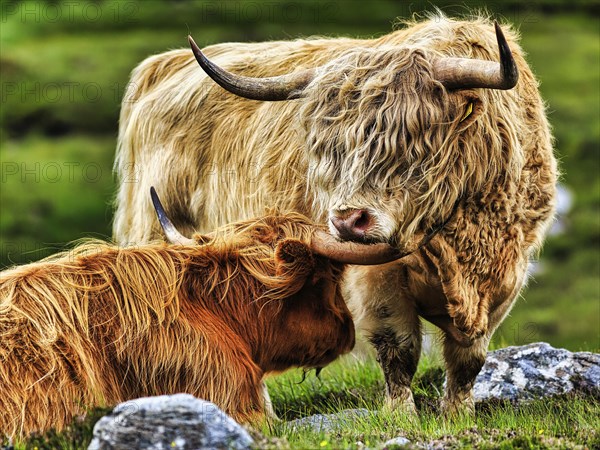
x=399 y=441
x=178 y=421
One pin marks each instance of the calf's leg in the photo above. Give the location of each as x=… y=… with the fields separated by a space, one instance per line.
x=268 y=405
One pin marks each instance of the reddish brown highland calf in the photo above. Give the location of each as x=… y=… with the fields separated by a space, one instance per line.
x=209 y=316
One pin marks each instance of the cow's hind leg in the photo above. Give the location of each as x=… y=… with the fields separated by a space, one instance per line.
x=464 y=364
x=462 y=367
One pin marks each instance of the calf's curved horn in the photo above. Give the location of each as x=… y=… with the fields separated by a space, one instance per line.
x=283 y=87
x=173 y=236
x=348 y=252
x=465 y=73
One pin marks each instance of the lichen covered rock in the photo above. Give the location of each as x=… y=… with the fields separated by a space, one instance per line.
x=535 y=371
x=329 y=422
x=168 y=422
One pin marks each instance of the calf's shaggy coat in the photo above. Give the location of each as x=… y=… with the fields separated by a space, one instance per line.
x=102 y=324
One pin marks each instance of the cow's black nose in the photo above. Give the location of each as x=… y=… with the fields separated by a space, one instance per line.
x=352 y=224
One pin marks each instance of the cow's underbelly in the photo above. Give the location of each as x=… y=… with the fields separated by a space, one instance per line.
x=400 y=291
x=395 y=292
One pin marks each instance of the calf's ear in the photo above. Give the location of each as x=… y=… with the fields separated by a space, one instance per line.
x=293 y=257
x=201 y=239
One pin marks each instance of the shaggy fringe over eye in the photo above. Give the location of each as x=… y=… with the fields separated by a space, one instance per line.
x=377 y=121
x=248 y=247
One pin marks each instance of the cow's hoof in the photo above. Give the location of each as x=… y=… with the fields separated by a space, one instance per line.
x=405 y=406
x=453 y=408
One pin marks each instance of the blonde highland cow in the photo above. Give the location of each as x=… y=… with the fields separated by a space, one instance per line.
x=436 y=126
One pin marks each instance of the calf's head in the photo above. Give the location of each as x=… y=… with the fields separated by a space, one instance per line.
x=279 y=276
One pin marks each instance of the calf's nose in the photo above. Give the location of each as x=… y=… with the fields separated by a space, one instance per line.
x=352 y=224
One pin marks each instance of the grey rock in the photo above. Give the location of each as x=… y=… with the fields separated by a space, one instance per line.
x=329 y=422
x=168 y=422
x=399 y=441
x=564 y=203
x=535 y=371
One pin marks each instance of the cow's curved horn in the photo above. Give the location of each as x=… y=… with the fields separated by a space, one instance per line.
x=465 y=73
x=283 y=87
x=173 y=236
x=348 y=252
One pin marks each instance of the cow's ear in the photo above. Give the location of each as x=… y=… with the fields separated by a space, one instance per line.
x=470 y=110
x=293 y=257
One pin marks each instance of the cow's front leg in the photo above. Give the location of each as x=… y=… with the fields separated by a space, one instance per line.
x=462 y=367
x=390 y=322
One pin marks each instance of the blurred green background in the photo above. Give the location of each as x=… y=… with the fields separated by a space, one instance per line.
x=64 y=66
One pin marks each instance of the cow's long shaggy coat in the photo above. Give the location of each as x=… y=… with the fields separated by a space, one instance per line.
x=374 y=130
x=102 y=324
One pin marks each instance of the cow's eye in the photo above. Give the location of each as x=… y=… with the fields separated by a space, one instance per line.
x=468 y=111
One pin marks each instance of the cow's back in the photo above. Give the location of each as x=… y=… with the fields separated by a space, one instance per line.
x=215 y=158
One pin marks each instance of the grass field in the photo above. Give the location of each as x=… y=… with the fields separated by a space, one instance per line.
x=351 y=383
x=560 y=423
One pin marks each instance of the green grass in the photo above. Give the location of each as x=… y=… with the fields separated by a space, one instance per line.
x=563 y=422
x=354 y=381
x=560 y=423
x=53 y=191
x=351 y=383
